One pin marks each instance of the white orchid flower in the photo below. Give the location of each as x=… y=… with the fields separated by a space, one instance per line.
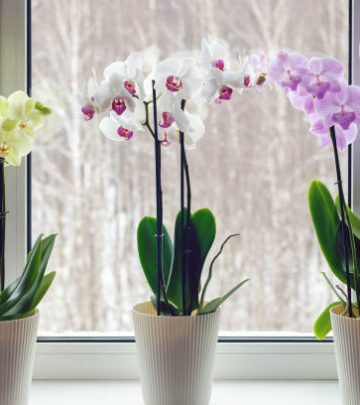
x=221 y=79
x=172 y=119
x=215 y=54
x=126 y=79
x=254 y=69
x=121 y=127
x=96 y=98
x=259 y=62
x=180 y=76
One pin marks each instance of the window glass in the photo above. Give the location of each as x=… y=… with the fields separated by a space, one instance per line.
x=253 y=167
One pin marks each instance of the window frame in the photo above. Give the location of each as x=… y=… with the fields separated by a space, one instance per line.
x=115 y=357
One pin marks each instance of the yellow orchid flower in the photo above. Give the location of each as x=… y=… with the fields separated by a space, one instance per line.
x=13 y=146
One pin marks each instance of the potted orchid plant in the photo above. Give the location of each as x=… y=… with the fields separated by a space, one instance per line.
x=318 y=88
x=20 y=119
x=176 y=330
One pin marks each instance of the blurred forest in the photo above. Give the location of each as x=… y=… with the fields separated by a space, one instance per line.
x=252 y=168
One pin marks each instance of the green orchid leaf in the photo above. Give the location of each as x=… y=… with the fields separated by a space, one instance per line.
x=45 y=284
x=213 y=305
x=27 y=278
x=6 y=294
x=147 y=245
x=23 y=304
x=340 y=249
x=354 y=219
x=192 y=263
x=18 y=316
x=326 y=223
x=234 y=289
x=322 y=325
x=204 y=223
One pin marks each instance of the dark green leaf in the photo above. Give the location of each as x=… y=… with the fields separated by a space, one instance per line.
x=147 y=245
x=326 y=223
x=354 y=219
x=23 y=303
x=27 y=278
x=192 y=264
x=204 y=223
x=42 y=290
x=6 y=294
x=17 y=316
x=340 y=249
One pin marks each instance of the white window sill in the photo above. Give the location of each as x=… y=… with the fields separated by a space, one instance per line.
x=224 y=392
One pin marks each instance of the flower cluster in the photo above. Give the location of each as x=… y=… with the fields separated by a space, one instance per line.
x=185 y=86
x=318 y=88
x=20 y=117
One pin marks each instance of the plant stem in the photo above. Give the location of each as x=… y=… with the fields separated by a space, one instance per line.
x=354 y=258
x=147 y=123
x=185 y=222
x=202 y=299
x=2 y=224
x=182 y=221
x=188 y=187
x=342 y=214
x=159 y=207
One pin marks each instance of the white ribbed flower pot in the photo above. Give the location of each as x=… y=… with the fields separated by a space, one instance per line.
x=17 y=352
x=176 y=356
x=347 y=351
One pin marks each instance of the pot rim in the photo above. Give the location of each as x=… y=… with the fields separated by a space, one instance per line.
x=338 y=312
x=23 y=319
x=140 y=310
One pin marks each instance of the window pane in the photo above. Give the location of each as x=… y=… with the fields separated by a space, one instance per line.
x=252 y=168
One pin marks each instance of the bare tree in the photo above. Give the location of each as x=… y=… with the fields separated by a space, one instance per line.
x=252 y=168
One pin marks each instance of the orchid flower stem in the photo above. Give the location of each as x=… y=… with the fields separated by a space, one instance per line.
x=188 y=187
x=159 y=209
x=342 y=214
x=185 y=222
x=355 y=265
x=147 y=123
x=182 y=221
x=2 y=224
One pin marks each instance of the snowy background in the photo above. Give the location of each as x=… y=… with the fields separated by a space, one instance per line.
x=252 y=168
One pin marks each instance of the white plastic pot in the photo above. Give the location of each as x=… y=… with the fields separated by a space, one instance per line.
x=176 y=356
x=17 y=352
x=347 y=351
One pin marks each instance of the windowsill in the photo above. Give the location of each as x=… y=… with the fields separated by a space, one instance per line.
x=224 y=392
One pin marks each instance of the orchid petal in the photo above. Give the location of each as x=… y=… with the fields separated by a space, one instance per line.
x=109 y=128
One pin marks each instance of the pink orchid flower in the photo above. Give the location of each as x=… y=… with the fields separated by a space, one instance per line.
x=287 y=70
x=341 y=108
x=322 y=75
x=344 y=137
